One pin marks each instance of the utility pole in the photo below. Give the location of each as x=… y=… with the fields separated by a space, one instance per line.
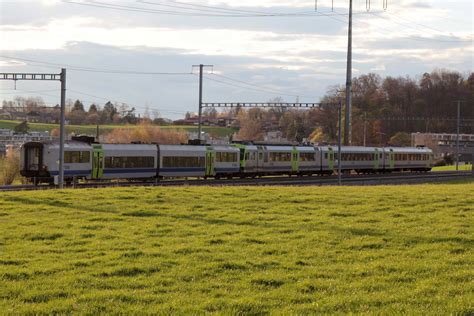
x=62 y=128
x=201 y=67
x=348 y=125
x=339 y=175
x=365 y=128
x=457 y=134
x=200 y=102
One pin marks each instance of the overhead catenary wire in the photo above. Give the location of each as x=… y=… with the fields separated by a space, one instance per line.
x=252 y=89
x=116 y=102
x=390 y=32
x=268 y=90
x=215 y=9
x=112 y=6
x=247 y=86
x=91 y=69
x=415 y=37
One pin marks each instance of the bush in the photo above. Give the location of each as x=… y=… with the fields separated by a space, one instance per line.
x=147 y=134
x=439 y=163
x=9 y=167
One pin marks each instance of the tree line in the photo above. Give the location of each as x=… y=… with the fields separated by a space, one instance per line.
x=76 y=112
x=385 y=110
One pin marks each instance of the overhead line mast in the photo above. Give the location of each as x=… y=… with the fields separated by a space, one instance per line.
x=348 y=125
x=348 y=108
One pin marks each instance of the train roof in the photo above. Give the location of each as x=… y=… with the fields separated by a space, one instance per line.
x=359 y=149
x=355 y=149
x=309 y=149
x=225 y=148
x=251 y=147
x=279 y=148
x=191 y=148
x=55 y=144
x=129 y=146
x=409 y=150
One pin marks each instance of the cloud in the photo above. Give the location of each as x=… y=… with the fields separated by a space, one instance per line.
x=301 y=56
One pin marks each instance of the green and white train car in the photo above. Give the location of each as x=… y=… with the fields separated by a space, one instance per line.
x=407 y=159
x=39 y=160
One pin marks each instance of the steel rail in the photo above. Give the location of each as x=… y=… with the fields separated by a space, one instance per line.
x=366 y=179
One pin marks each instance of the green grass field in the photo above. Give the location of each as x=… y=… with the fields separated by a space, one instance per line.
x=239 y=250
x=104 y=129
x=452 y=168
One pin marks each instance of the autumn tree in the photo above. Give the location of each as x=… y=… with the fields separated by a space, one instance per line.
x=251 y=124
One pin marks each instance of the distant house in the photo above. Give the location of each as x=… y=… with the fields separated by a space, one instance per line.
x=445 y=144
x=33 y=116
x=206 y=121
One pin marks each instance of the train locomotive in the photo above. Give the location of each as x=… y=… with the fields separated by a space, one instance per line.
x=91 y=161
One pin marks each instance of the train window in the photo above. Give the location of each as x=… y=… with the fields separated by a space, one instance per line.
x=77 y=157
x=280 y=156
x=307 y=157
x=183 y=162
x=129 y=162
x=85 y=156
x=226 y=157
x=325 y=155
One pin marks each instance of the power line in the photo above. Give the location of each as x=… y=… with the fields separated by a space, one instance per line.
x=414 y=37
x=216 y=9
x=91 y=69
x=127 y=103
x=40 y=92
x=263 y=88
x=389 y=32
x=216 y=12
x=25 y=91
x=249 y=88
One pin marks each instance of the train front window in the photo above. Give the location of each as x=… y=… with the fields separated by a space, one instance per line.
x=33 y=158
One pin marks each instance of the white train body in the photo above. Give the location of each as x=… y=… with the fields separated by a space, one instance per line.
x=127 y=161
x=182 y=161
x=40 y=160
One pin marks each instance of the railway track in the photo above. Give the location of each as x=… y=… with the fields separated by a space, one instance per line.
x=371 y=179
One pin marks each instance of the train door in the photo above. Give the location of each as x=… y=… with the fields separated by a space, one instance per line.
x=97 y=162
x=429 y=161
x=391 y=159
x=330 y=159
x=33 y=159
x=210 y=157
x=244 y=156
x=376 y=159
x=260 y=158
x=294 y=161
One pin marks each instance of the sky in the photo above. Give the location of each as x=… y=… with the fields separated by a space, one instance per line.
x=142 y=52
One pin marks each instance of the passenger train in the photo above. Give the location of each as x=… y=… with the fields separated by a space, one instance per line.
x=39 y=160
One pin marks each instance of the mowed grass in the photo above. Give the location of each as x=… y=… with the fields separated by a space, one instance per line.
x=453 y=168
x=105 y=129
x=239 y=250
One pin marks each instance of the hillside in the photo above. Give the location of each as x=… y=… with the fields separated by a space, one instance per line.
x=239 y=250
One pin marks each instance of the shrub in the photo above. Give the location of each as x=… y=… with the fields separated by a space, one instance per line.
x=9 y=167
x=146 y=133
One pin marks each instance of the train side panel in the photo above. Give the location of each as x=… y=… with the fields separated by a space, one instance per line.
x=226 y=160
x=129 y=161
x=182 y=161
